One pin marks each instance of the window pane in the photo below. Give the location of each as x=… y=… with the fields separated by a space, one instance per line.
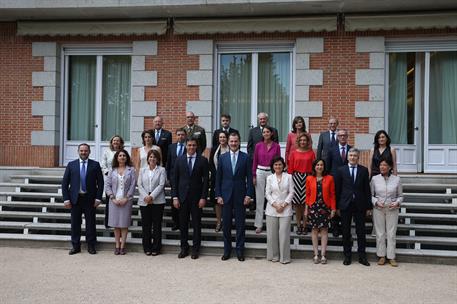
x=116 y=97
x=81 y=115
x=274 y=90
x=443 y=98
x=402 y=84
x=235 y=90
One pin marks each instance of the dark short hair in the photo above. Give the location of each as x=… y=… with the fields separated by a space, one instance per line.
x=226 y=116
x=156 y=155
x=314 y=167
x=181 y=130
x=235 y=134
x=193 y=138
x=376 y=138
x=116 y=162
x=84 y=144
x=270 y=129
x=275 y=160
x=388 y=160
x=150 y=133
x=298 y=119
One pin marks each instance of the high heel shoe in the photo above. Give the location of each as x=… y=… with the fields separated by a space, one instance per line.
x=218 y=227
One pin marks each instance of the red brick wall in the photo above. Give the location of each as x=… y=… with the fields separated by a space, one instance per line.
x=338 y=93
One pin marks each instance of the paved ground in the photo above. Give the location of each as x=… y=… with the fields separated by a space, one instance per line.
x=52 y=276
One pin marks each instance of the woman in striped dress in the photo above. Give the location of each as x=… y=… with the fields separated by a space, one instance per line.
x=300 y=165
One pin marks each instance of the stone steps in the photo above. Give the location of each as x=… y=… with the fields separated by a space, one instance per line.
x=31 y=210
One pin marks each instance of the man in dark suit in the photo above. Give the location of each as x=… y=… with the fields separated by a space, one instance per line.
x=234 y=190
x=327 y=139
x=174 y=151
x=225 y=127
x=353 y=196
x=195 y=131
x=162 y=138
x=337 y=156
x=255 y=134
x=82 y=190
x=189 y=189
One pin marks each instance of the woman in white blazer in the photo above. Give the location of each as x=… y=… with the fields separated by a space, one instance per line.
x=279 y=193
x=151 y=185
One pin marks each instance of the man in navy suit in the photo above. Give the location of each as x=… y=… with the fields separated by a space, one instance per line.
x=353 y=196
x=225 y=127
x=327 y=139
x=234 y=190
x=82 y=189
x=175 y=150
x=189 y=189
x=162 y=138
x=337 y=156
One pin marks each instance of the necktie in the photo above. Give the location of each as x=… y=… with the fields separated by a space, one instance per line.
x=189 y=165
x=343 y=154
x=333 y=138
x=352 y=174
x=82 y=176
x=180 y=149
x=233 y=163
x=157 y=136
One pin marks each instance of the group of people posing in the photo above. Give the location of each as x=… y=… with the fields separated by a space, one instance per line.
x=329 y=189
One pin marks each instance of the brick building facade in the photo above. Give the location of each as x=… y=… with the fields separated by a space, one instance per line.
x=336 y=69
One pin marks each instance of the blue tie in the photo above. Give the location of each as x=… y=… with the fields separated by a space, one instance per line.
x=82 y=176
x=157 y=137
x=180 y=149
x=233 y=163
x=190 y=165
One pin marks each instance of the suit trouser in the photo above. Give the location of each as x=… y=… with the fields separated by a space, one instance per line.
x=385 y=221
x=240 y=224
x=261 y=182
x=190 y=209
x=151 y=218
x=278 y=238
x=359 y=219
x=86 y=207
x=175 y=215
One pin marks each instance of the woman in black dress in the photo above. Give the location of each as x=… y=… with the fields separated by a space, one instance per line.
x=381 y=150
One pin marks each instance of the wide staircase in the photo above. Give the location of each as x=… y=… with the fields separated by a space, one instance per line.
x=32 y=215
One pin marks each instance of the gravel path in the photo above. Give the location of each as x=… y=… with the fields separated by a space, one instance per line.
x=52 y=276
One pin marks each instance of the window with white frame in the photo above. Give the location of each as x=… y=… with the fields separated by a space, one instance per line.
x=253 y=79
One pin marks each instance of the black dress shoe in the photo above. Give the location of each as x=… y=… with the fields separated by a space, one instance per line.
x=74 y=251
x=194 y=256
x=364 y=261
x=347 y=261
x=155 y=253
x=240 y=258
x=174 y=228
x=225 y=257
x=91 y=250
x=183 y=254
